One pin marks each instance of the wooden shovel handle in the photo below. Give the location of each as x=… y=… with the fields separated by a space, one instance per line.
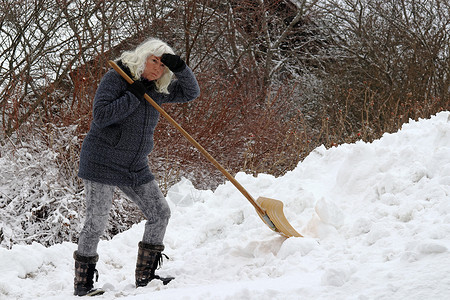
x=192 y=141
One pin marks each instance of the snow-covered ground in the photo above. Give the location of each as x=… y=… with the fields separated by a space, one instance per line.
x=375 y=216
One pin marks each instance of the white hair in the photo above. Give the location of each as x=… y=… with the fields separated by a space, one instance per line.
x=135 y=60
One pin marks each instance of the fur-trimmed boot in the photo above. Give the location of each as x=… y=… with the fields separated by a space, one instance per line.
x=149 y=259
x=84 y=275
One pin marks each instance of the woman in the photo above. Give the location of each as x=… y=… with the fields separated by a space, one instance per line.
x=114 y=154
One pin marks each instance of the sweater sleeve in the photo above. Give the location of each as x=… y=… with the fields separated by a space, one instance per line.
x=112 y=102
x=185 y=88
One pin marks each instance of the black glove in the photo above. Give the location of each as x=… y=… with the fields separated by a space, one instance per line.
x=124 y=68
x=173 y=62
x=138 y=89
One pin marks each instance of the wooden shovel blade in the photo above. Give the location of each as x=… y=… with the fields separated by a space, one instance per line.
x=274 y=210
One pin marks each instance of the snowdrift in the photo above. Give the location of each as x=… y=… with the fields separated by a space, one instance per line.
x=376 y=220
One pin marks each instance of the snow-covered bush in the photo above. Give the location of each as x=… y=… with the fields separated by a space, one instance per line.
x=41 y=198
x=35 y=202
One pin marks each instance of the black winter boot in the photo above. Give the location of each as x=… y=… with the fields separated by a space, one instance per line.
x=84 y=275
x=148 y=260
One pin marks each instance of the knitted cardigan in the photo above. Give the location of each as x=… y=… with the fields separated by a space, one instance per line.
x=120 y=138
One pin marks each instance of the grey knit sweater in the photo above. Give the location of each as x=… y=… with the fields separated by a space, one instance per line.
x=120 y=138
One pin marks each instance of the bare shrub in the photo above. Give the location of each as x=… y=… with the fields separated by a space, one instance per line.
x=240 y=129
x=390 y=64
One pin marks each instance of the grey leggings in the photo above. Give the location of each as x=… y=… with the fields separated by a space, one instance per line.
x=148 y=198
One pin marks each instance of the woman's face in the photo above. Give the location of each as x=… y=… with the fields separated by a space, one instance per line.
x=154 y=68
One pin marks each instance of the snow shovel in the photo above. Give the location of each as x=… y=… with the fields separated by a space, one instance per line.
x=270 y=210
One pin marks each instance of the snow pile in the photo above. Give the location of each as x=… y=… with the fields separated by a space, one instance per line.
x=376 y=220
